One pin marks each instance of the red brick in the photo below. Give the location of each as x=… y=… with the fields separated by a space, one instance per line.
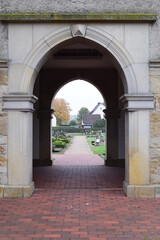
x=74 y=204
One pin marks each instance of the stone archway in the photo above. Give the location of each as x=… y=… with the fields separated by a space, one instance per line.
x=19 y=104
x=35 y=59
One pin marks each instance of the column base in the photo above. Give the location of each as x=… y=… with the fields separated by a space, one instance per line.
x=115 y=162
x=42 y=162
x=138 y=191
x=10 y=191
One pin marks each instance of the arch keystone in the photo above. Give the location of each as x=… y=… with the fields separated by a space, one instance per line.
x=78 y=30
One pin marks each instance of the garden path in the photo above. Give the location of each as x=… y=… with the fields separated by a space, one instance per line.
x=79 y=145
x=78 y=153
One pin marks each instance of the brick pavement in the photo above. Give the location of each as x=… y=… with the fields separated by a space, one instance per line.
x=80 y=214
x=78 y=176
x=79 y=202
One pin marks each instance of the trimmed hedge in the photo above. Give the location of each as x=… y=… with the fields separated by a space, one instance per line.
x=69 y=129
x=59 y=144
x=66 y=140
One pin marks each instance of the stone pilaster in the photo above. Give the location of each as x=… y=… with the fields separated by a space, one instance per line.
x=19 y=173
x=137 y=134
x=155 y=122
x=3 y=122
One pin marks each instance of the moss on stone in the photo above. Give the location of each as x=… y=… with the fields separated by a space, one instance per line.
x=50 y=17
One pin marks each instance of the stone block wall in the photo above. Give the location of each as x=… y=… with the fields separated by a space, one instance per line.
x=90 y=6
x=3 y=123
x=155 y=122
x=3 y=90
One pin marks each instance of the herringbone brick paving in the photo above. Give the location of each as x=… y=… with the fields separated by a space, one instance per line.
x=77 y=202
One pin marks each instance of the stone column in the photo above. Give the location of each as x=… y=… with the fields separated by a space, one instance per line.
x=45 y=142
x=20 y=109
x=3 y=124
x=111 y=115
x=137 y=133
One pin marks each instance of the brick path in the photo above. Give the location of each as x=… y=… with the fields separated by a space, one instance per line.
x=79 y=203
x=80 y=214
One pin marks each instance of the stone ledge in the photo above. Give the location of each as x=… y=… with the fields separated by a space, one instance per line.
x=9 y=191
x=141 y=191
x=3 y=64
x=23 y=103
x=154 y=63
x=135 y=102
x=85 y=17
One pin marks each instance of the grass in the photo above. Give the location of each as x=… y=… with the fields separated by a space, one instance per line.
x=100 y=150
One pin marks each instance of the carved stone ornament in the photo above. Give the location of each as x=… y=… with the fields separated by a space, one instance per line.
x=78 y=30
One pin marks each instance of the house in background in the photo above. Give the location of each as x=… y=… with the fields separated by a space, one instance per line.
x=96 y=114
x=89 y=119
x=98 y=109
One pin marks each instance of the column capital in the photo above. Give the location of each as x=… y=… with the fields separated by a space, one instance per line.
x=22 y=103
x=111 y=113
x=135 y=102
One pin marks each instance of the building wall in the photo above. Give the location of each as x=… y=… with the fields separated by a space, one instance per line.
x=147 y=6
x=3 y=90
x=99 y=110
x=122 y=6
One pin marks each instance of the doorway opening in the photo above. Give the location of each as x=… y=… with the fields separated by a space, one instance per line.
x=80 y=59
x=78 y=110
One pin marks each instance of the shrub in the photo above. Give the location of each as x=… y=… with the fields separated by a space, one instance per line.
x=99 y=124
x=62 y=136
x=66 y=140
x=53 y=139
x=60 y=144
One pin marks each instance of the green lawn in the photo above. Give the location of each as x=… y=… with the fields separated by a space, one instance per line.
x=96 y=149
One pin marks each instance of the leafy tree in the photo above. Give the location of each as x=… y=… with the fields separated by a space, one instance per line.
x=99 y=123
x=72 y=123
x=61 y=110
x=83 y=111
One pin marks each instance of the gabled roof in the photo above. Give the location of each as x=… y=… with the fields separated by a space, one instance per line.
x=89 y=119
x=94 y=109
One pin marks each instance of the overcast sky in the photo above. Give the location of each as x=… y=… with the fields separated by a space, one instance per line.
x=79 y=94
